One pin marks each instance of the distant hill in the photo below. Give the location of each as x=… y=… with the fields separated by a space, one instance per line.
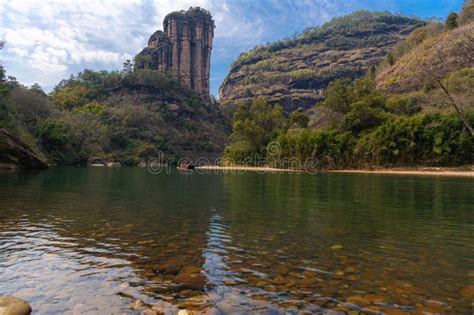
x=294 y=72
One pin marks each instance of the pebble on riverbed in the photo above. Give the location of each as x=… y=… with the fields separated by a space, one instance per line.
x=137 y=304
x=10 y=305
x=468 y=291
x=194 y=281
x=336 y=247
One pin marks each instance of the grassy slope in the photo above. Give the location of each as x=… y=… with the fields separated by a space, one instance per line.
x=444 y=53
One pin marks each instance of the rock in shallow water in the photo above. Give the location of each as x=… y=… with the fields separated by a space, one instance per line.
x=191 y=269
x=10 y=305
x=191 y=280
x=136 y=305
x=468 y=291
x=281 y=269
x=336 y=247
x=359 y=301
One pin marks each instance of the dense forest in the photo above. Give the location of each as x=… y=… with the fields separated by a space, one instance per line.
x=128 y=116
x=410 y=105
x=373 y=131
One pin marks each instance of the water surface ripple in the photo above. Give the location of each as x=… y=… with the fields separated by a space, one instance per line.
x=77 y=240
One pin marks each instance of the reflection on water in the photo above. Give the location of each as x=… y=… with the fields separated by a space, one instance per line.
x=78 y=240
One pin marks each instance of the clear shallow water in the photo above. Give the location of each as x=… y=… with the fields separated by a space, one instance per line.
x=77 y=240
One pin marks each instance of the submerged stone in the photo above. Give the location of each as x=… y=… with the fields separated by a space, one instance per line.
x=358 y=300
x=339 y=273
x=191 y=280
x=229 y=282
x=336 y=247
x=350 y=270
x=352 y=278
x=191 y=269
x=281 y=269
x=136 y=305
x=468 y=291
x=10 y=305
x=279 y=280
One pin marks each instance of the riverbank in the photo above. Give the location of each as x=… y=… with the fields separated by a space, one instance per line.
x=410 y=172
x=465 y=171
x=242 y=168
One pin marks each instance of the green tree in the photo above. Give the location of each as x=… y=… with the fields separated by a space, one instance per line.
x=127 y=67
x=55 y=138
x=363 y=117
x=339 y=96
x=391 y=59
x=298 y=119
x=253 y=128
x=70 y=97
x=3 y=87
x=38 y=89
x=32 y=108
x=90 y=135
x=372 y=71
x=2 y=70
x=93 y=108
x=452 y=21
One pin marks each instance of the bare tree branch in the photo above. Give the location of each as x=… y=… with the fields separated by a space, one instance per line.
x=438 y=78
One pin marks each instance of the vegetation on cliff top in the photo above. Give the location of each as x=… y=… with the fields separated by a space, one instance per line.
x=293 y=71
x=354 y=26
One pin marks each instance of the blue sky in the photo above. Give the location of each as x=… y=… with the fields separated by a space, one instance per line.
x=48 y=40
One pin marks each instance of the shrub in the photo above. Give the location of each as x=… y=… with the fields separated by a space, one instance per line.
x=316 y=149
x=421 y=139
x=406 y=104
x=452 y=21
x=55 y=137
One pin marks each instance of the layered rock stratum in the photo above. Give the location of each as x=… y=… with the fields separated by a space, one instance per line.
x=183 y=48
x=295 y=72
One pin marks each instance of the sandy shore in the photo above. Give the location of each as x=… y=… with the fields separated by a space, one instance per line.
x=467 y=171
x=452 y=173
x=246 y=168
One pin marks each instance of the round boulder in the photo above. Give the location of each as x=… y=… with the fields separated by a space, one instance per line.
x=10 y=305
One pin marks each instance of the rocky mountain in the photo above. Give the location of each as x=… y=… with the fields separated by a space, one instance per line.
x=15 y=153
x=159 y=107
x=183 y=49
x=294 y=72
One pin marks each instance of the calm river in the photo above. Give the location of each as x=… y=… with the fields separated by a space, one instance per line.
x=96 y=240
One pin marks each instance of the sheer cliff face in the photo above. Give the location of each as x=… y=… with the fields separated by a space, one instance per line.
x=184 y=48
x=296 y=72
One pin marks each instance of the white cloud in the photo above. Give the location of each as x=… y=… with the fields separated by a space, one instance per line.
x=47 y=40
x=60 y=37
